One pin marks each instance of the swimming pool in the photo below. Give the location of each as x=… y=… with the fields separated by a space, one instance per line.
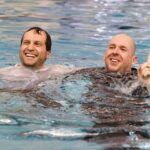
x=80 y=31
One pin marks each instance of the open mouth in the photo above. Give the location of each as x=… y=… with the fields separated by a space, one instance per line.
x=114 y=60
x=30 y=55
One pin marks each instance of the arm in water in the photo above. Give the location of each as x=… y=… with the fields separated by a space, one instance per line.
x=58 y=70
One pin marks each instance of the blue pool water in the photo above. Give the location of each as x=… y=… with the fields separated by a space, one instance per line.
x=80 y=31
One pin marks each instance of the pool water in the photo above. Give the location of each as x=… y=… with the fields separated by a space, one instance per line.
x=57 y=116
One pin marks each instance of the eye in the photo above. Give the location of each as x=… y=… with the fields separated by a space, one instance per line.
x=111 y=46
x=25 y=42
x=37 y=43
x=124 y=49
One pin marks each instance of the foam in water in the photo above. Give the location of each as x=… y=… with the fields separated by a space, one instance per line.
x=60 y=132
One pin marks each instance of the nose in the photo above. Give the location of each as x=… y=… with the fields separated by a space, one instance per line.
x=116 y=49
x=31 y=47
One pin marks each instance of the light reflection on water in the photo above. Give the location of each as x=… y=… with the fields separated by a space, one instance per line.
x=80 y=31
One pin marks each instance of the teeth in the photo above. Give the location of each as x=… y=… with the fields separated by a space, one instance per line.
x=114 y=60
x=29 y=55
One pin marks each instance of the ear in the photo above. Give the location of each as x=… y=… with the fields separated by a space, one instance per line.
x=48 y=54
x=134 y=60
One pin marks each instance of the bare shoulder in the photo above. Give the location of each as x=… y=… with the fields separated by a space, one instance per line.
x=6 y=69
x=16 y=71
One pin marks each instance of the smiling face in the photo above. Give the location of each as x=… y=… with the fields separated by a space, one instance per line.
x=120 y=54
x=33 y=51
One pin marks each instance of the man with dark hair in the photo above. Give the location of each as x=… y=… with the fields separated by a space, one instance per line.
x=35 y=49
x=38 y=30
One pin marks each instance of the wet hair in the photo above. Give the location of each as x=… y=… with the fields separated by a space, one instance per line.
x=38 y=30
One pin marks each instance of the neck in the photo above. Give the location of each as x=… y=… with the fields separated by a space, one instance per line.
x=119 y=71
x=32 y=67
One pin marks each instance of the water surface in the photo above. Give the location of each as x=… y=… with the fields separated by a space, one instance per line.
x=60 y=117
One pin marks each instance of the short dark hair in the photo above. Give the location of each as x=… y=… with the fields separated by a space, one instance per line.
x=38 y=30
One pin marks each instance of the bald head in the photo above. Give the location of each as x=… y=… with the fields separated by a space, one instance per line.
x=120 y=54
x=126 y=40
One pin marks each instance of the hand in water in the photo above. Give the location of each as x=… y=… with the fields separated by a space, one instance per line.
x=144 y=71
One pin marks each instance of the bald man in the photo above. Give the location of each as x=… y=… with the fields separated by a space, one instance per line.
x=118 y=72
x=120 y=54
